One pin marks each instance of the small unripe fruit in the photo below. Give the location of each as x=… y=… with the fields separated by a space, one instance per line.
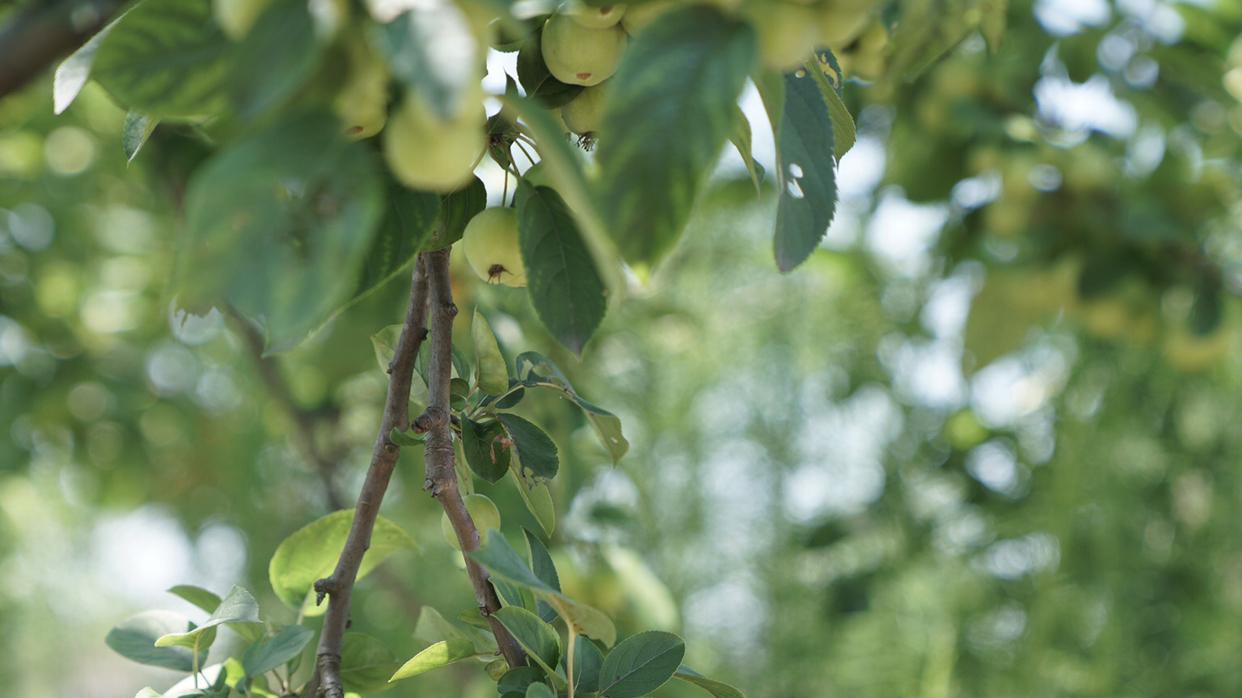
x=485 y=514
x=788 y=34
x=490 y=244
x=362 y=103
x=577 y=55
x=430 y=153
x=638 y=17
x=236 y=17
x=585 y=113
x=595 y=17
x=838 y=26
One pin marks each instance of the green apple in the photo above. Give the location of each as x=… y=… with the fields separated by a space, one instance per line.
x=788 y=33
x=427 y=152
x=585 y=113
x=537 y=176
x=840 y=24
x=485 y=514
x=600 y=17
x=577 y=55
x=490 y=243
x=637 y=17
x=236 y=17
x=362 y=103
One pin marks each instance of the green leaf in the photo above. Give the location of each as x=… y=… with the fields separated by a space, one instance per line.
x=742 y=140
x=283 y=40
x=311 y=553
x=640 y=664
x=539 y=690
x=520 y=596
x=718 y=689
x=366 y=663
x=538 y=638
x=535 y=449
x=239 y=606
x=405 y=438
x=535 y=77
x=433 y=627
x=538 y=500
x=805 y=166
x=200 y=597
x=167 y=59
x=827 y=74
x=607 y=428
x=135 y=639
x=134 y=134
x=438 y=655
x=670 y=110
x=75 y=71
x=279 y=226
x=456 y=210
x=272 y=652
x=564 y=166
x=485 y=449
x=519 y=679
x=588 y=620
x=432 y=50
x=537 y=371
x=564 y=285
x=541 y=561
x=493 y=374
x=587 y=662
x=503 y=561
x=407 y=224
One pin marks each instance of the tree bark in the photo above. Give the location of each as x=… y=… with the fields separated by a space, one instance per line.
x=45 y=31
x=441 y=478
x=339 y=586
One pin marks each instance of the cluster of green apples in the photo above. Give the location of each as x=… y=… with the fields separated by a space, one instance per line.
x=437 y=148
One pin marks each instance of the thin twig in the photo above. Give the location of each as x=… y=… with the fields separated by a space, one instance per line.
x=303 y=420
x=45 y=31
x=441 y=480
x=339 y=586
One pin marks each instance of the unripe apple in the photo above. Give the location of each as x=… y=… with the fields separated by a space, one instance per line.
x=236 y=17
x=839 y=25
x=427 y=152
x=362 y=103
x=537 y=176
x=490 y=244
x=595 y=17
x=485 y=514
x=788 y=34
x=585 y=113
x=637 y=17
x=577 y=55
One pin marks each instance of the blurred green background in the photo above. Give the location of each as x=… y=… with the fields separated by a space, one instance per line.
x=980 y=445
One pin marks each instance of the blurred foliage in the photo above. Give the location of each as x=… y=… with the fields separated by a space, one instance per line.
x=852 y=480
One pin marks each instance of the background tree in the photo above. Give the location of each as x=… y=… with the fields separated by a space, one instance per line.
x=975 y=444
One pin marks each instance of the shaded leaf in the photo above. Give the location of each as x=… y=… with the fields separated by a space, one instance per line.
x=640 y=664
x=366 y=663
x=135 y=639
x=806 y=172
x=564 y=285
x=669 y=112
x=535 y=449
x=279 y=226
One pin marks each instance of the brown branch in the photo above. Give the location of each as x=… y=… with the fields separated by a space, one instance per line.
x=441 y=479
x=339 y=586
x=45 y=31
